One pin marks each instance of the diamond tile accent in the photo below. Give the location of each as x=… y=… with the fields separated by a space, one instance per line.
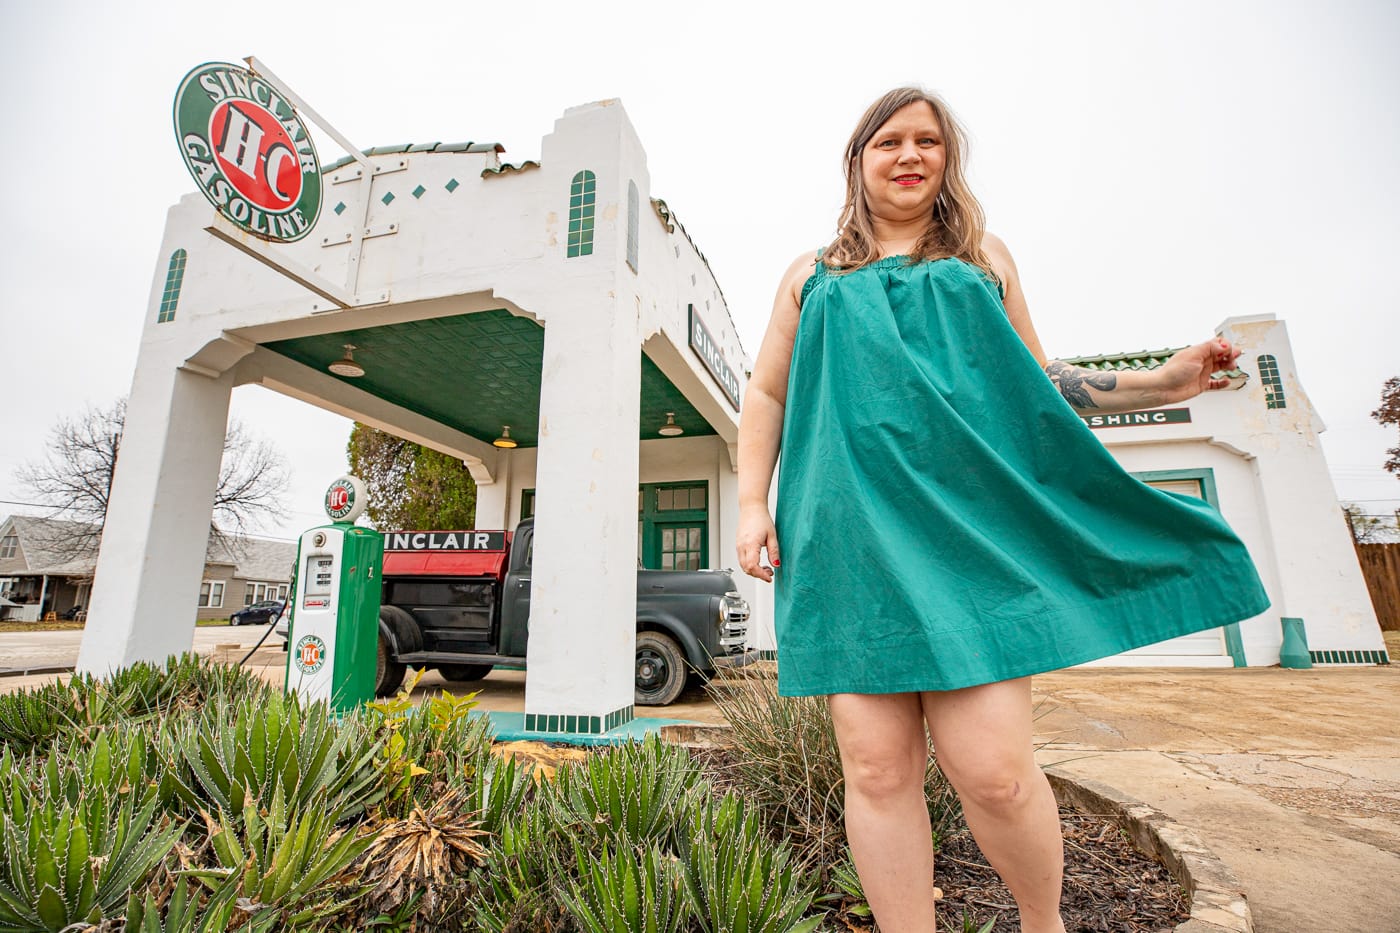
x=418 y=192
x=452 y=185
x=388 y=196
x=339 y=208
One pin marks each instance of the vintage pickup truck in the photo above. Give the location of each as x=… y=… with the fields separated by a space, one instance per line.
x=460 y=601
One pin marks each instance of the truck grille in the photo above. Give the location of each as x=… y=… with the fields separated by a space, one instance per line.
x=734 y=631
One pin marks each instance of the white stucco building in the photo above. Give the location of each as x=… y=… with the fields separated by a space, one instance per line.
x=563 y=301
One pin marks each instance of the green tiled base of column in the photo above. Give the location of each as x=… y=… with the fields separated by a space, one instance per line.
x=767 y=654
x=1349 y=657
x=578 y=725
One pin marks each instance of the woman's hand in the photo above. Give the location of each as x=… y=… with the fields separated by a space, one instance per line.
x=1191 y=371
x=757 y=532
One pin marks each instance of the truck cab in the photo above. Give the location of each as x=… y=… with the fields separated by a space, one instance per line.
x=459 y=601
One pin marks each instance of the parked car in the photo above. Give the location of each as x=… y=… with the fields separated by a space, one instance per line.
x=260 y=613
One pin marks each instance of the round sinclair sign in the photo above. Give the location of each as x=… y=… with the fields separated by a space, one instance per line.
x=346 y=499
x=249 y=151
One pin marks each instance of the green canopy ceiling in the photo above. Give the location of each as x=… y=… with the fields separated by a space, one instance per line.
x=472 y=372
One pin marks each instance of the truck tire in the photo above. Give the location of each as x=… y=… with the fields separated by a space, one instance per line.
x=661 y=670
x=459 y=673
x=388 y=673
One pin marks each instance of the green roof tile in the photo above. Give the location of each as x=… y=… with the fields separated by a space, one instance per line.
x=506 y=168
x=1140 y=360
x=468 y=146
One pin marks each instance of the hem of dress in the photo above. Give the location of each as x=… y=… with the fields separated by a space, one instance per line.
x=1132 y=637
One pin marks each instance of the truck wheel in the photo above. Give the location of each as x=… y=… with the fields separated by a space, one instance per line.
x=661 y=670
x=463 y=672
x=388 y=673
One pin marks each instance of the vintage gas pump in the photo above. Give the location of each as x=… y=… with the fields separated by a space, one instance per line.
x=334 y=627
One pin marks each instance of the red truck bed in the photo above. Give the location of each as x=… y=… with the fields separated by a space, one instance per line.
x=470 y=553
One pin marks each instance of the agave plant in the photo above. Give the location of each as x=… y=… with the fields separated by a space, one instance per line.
x=257 y=747
x=497 y=788
x=31 y=719
x=286 y=866
x=516 y=886
x=74 y=863
x=631 y=891
x=424 y=852
x=182 y=912
x=115 y=762
x=632 y=794
x=737 y=880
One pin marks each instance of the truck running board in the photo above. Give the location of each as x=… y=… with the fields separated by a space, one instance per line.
x=430 y=658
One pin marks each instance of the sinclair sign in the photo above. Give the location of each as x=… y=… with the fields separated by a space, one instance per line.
x=249 y=152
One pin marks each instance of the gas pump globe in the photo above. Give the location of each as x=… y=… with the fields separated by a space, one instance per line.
x=334 y=630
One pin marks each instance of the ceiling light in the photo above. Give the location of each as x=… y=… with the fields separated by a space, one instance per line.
x=505 y=441
x=670 y=428
x=346 y=365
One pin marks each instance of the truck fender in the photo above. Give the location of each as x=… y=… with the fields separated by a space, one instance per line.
x=399 y=631
x=695 y=652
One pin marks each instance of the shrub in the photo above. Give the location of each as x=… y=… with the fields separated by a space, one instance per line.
x=629 y=891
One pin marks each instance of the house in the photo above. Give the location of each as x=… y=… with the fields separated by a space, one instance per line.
x=47 y=564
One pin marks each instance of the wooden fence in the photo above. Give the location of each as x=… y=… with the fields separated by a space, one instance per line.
x=1380 y=565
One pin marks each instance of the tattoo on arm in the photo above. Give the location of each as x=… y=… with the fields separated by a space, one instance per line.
x=1074 y=383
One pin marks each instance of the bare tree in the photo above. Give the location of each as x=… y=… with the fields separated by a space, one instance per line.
x=75 y=478
x=1389 y=413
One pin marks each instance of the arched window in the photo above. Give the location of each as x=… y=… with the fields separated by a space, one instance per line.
x=174 y=276
x=634 y=219
x=583 y=195
x=1273 y=383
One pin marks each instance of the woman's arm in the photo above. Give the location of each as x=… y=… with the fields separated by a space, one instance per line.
x=1187 y=374
x=761 y=423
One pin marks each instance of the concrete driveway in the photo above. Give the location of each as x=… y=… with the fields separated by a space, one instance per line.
x=1291 y=777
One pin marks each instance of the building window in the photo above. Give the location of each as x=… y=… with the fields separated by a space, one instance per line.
x=257 y=592
x=673 y=526
x=1273 y=383
x=174 y=277
x=9 y=545
x=583 y=195
x=211 y=594
x=634 y=219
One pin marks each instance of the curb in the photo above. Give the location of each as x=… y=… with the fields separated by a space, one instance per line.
x=1218 y=902
x=26 y=671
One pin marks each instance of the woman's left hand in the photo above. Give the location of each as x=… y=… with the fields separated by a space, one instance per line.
x=1192 y=371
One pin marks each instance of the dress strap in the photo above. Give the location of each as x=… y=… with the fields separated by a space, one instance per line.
x=818 y=273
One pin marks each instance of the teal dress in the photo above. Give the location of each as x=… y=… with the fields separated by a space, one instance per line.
x=944 y=517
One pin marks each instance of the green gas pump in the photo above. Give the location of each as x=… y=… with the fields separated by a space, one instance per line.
x=334 y=629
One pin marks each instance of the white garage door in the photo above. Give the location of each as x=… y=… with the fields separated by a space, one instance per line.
x=1203 y=649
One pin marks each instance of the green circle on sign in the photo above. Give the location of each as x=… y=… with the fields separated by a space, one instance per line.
x=249 y=152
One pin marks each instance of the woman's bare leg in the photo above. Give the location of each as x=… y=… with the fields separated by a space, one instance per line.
x=982 y=739
x=884 y=751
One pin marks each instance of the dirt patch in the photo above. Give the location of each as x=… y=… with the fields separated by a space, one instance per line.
x=1109 y=884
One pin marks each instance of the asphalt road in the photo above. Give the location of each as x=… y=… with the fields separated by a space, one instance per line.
x=30 y=650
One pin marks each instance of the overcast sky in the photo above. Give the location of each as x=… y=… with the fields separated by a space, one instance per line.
x=1154 y=167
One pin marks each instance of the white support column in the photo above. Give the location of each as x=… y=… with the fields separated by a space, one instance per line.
x=149 y=569
x=584 y=579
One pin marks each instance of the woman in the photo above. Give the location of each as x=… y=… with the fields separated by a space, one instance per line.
x=946 y=524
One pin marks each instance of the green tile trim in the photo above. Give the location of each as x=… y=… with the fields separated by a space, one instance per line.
x=420 y=147
x=339 y=208
x=767 y=654
x=388 y=196
x=452 y=185
x=418 y=192
x=579 y=725
x=1338 y=656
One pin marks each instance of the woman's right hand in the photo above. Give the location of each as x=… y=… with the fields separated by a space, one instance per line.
x=756 y=533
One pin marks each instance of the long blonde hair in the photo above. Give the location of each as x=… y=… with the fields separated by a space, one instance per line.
x=956 y=225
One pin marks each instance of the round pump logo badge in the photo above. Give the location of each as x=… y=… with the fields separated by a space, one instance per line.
x=249 y=151
x=345 y=499
x=310 y=654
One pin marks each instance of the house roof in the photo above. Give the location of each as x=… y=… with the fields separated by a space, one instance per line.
x=47 y=546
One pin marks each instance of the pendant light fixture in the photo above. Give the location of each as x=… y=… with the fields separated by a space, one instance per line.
x=670 y=428
x=505 y=441
x=346 y=365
